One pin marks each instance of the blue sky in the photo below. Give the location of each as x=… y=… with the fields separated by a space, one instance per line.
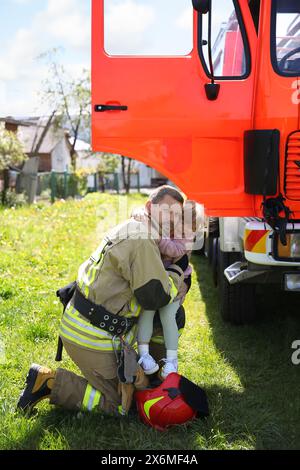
x=31 y=27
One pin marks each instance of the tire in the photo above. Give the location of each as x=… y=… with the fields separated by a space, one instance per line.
x=237 y=301
x=210 y=249
x=212 y=236
x=215 y=260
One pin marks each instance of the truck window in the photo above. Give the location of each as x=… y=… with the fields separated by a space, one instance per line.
x=286 y=37
x=143 y=28
x=230 y=51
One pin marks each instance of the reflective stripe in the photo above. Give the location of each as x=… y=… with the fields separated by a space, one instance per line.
x=135 y=307
x=78 y=339
x=85 y=341
x=76 y=329
x=84 y=326
x=86 y=276
x=91 y=398
x=148 y=405
x=160 y=339
x=71 y=315
x=121 y=411
x=173 y=290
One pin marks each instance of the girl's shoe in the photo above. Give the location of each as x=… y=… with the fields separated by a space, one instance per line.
x=148 y=364
x=171 y=365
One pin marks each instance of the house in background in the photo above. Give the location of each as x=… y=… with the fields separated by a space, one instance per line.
x=55 y=150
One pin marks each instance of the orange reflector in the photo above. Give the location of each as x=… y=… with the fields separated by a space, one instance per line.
x=255 y=240
x=284 y=251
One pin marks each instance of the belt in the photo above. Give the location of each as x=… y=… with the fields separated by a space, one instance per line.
x=100 y=317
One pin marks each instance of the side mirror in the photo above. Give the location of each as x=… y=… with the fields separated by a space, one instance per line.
x=202 y=6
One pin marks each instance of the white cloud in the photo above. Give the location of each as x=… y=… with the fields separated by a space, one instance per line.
x=61 y=23
x=125 y=25
x=185 y=20
x=64 y=21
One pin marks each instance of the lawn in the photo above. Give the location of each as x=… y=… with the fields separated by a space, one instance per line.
x=252 y=386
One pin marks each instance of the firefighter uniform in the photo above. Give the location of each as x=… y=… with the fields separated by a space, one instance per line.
x=124 y=275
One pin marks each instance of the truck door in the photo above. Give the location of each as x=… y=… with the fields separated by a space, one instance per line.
x=150 y=65
x=278 y=97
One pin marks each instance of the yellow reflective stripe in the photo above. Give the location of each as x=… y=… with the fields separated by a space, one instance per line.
x=121 y=411
x=157 y=340
x=97 y=399
x=160 y=339
x=91 y=398
x=86 y=276
x=148 y=405
x=173 y=290
x=74 y=337
x=82 y=331
x=86 y=327
x=86 y=396
x=135 y=307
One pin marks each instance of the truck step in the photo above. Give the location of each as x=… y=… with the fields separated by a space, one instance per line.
x=236 y=273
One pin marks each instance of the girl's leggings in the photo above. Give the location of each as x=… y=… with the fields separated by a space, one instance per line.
x=168 y=320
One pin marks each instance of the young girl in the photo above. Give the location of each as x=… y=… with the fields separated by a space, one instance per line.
x=171 y=249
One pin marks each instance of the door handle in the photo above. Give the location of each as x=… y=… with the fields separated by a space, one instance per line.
x=101 y=108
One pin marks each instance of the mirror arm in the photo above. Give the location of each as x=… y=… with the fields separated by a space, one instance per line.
x=212 y=89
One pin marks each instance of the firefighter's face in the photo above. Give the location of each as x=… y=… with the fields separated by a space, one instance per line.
x=168 y=213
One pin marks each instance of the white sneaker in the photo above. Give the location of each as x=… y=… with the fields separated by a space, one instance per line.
x=171 y=365
x=148 y=364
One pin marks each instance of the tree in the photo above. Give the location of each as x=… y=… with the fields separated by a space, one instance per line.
x=127 y=170
x=11 y=154
x=108 y=163
x=69 y=98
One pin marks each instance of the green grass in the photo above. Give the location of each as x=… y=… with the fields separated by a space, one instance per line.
x=252 y=386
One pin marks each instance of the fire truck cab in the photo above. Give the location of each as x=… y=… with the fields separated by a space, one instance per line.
x=207 y=92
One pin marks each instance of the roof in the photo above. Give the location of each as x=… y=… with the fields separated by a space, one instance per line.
x=29 y=136
x=17 y=121
x=81 y=145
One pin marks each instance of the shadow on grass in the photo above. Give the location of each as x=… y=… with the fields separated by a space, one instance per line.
x=263 y=412
x=267 y=409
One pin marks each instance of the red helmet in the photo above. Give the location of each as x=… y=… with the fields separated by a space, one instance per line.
x=165 y=405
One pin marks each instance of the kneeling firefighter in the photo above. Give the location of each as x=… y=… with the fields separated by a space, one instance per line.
x=98 y=328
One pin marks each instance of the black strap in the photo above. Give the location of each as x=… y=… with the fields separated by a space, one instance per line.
x=272 y=208
x=100 y=317
x=64 y=294
x=60 y=347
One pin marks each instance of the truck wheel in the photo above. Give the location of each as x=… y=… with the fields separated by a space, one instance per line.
x=210 y=249
x=237 y=301
x=215 y=260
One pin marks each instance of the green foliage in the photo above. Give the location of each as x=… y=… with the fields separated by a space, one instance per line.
x=108 y=163
x=13 y=200
x=69 y=97
x=11 y=149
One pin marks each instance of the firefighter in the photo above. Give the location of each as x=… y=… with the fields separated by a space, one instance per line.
x=124 y=275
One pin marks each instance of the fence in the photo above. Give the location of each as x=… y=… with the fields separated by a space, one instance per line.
x=64 y=185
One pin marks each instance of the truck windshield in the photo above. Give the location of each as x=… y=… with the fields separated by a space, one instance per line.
x=286 y=43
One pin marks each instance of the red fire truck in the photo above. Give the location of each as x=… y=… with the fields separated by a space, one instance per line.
x=220 y=120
